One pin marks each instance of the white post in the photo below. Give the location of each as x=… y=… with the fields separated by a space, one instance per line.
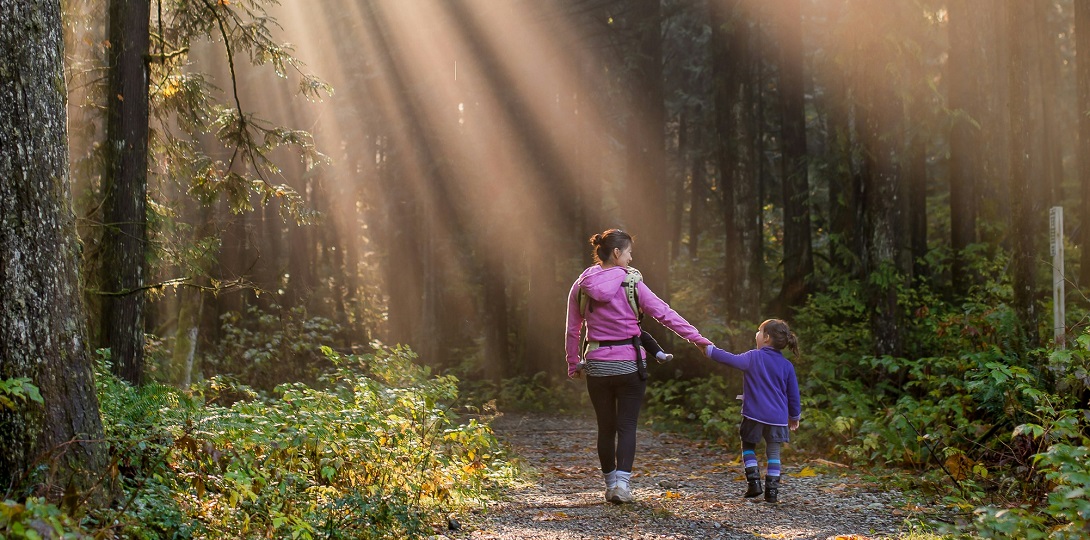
x=1056 y=234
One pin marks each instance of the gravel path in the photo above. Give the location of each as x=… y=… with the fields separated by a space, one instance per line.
x=685 y=489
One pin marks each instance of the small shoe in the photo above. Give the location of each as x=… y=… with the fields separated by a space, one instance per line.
x=609 y=494
x=621 y=495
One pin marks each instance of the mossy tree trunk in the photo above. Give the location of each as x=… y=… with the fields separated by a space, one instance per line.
x=42 y=325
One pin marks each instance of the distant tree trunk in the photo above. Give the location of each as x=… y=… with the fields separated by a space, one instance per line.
x=1026 y=212
x=1082 y=81
x=697 y=192
x=915 y=178
x=125 y=187
x=963 y=99
x=880 y=116
x=646 y=150
x=1047 y=85
x=735 y=126
x=798 y=258
x=43 y=330
x=677 y=215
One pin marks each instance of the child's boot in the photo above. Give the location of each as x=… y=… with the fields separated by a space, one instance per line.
x=753 y=478
x=772 y=489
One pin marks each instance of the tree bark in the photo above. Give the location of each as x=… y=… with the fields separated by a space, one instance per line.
x=43 y=333
x=798 y=258
x=125 y=186
x=1025 y=208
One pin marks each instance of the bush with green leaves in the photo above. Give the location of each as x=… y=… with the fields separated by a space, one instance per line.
x=376 y=452
x=263 y=348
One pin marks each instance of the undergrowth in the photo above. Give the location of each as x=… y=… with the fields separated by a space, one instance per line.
x=375 y=452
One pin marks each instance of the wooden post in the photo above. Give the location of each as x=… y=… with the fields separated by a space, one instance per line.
x=1056 y=235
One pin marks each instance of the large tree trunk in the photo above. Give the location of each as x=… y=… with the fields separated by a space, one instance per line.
x=1026 y=212
x=125 y=186
x=43 y=333
x=1082 y=78
x=965 y=140
x=798 y=258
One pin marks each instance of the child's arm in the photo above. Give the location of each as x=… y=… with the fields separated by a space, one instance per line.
x=739 y=361
x=794 y=402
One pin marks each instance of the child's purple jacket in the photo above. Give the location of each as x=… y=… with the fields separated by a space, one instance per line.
x=609 y=317
x=770 y=389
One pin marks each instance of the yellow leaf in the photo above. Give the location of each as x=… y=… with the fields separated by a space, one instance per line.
x=805 y=472
x=671 y=495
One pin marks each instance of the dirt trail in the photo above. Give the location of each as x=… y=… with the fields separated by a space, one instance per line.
x=685 y=489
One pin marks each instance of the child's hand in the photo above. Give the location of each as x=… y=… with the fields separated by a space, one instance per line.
x=793 y=425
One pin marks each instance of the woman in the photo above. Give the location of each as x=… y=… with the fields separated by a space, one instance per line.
x=614 y=362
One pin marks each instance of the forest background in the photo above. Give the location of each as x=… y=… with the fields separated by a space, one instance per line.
x=265 y=193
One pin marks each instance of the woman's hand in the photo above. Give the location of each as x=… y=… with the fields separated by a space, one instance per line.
x=793 y=424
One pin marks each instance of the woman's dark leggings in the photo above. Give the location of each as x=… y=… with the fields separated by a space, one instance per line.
x=617 y=400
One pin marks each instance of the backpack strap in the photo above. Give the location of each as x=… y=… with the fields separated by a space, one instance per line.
x=631 y=278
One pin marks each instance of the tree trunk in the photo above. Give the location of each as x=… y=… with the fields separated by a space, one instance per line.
x=1025 y=210
x=125 y=186
x=697 y=192
x=798 y=259
x=43 y=332
x=646 y=151
x=735 y=126
x=1082 y=78
x=880 y=114
x=1047 y=85
x=964 y=102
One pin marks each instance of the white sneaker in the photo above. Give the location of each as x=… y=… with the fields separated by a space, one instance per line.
x=609 y=494
x=621 y=495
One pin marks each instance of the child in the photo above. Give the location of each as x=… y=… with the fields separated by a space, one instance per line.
x=770 y=404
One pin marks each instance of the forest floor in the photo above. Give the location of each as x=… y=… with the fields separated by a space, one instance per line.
x=684 y=489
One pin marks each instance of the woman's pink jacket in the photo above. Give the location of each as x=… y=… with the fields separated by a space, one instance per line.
x=609 y=316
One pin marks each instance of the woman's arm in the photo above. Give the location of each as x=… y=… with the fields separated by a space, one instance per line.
x=574 y=326
x=652 y=305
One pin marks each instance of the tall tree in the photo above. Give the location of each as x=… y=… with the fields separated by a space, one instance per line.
x=879 y=124
x=43 y=333
x=736 y=126
x=966 y=110
x=125 y=187
x=646 y=149
x=1025 y=206
x=1082 y=82
x=798 y=257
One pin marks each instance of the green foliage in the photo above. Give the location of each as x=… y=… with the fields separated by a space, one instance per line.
x=536 y=393
x=36 y=519
x=265 y=348
x=18 y=389
x=376 y=452
x=709 y=402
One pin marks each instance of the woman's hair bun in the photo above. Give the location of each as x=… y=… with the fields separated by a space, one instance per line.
x=596 y=239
